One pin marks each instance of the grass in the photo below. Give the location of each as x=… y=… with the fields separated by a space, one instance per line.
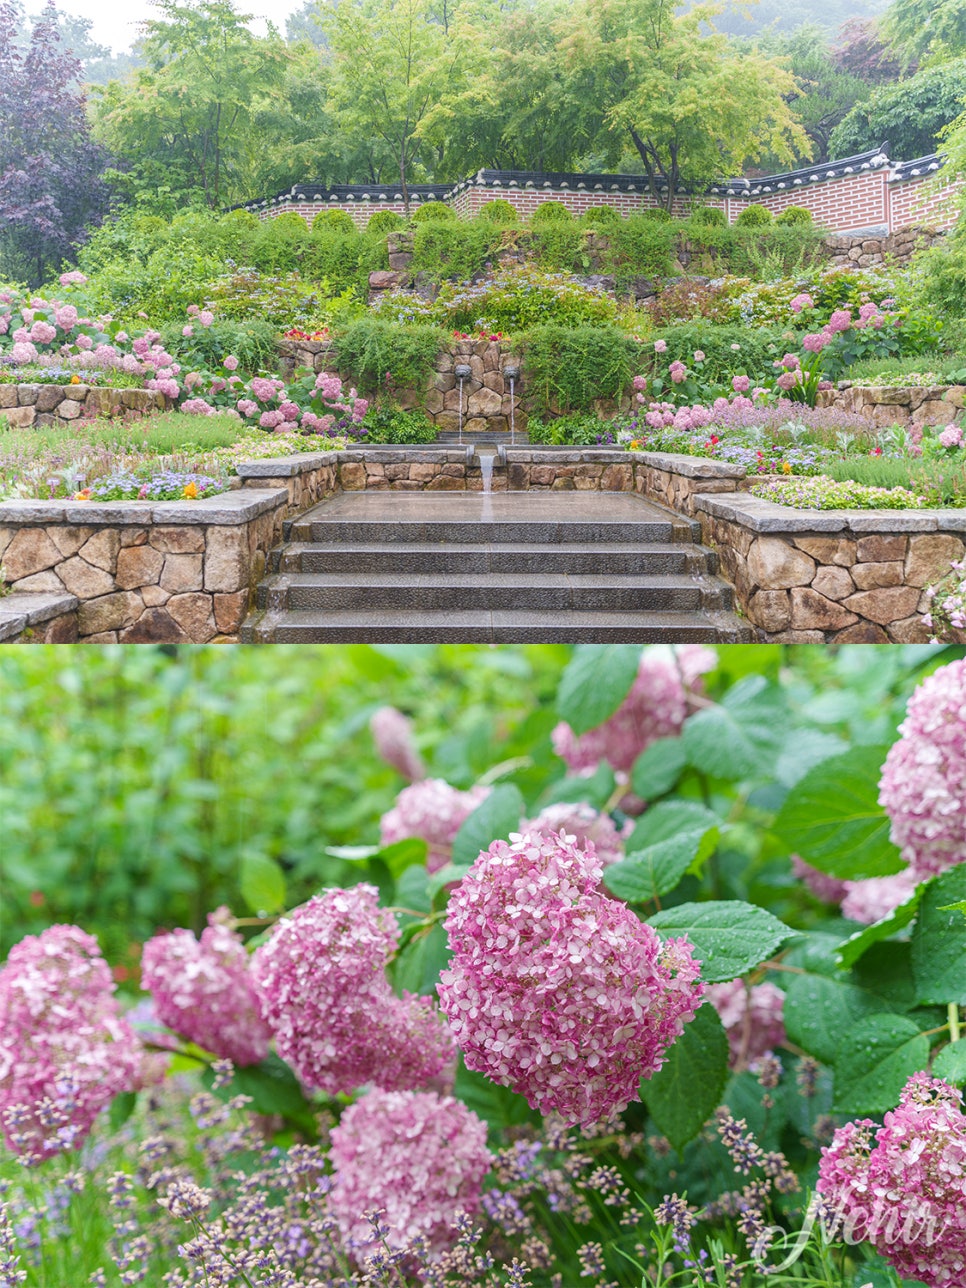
x=159 y=435
x=942 y=482
x=947 y=368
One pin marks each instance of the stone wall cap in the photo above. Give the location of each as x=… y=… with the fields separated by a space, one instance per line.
x=237 y=506
x=692 y=467
x=22 y=609
x=273 y=467
x=761 y=515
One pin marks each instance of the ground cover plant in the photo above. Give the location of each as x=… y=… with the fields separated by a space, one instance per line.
x=654 y=980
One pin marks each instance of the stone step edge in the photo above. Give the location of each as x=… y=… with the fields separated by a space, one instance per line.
x=22 y=609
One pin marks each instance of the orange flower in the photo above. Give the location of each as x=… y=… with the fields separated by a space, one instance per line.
x=190 y=491
x=84 y=495
x=75 y=380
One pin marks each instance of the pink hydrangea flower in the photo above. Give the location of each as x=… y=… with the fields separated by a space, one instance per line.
x=815 y=342
x=876 y=897
x=740 y=384
x=678 y=372
x=952 y=436
x=788 y=380
x=790 y=362
x=699 y=355
x=62 y=1041
x=187 y=331
x=752 y=1018
x=328 y=385
x=73 y=278
x=289 y=410
x=263 y=388
x=416 y=1157
x=556 y=990
x=323 y=991
x=85 y=342
x=202 y=989
x=393 y=736
x=923 y=783
x=660 y=346
x=270 y=419
x=206 y=317
x=799 y=302
x=840 y=320
x=900 y=1186
x=23 y=351
x=246 y=407
x=433 y=810
x=654 y=708
x=828 y=889
x=585 y=824
x=230 y=362
x=640 y=382
x=66 y=317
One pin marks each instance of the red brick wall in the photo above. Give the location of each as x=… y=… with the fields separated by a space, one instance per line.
x=921 y=201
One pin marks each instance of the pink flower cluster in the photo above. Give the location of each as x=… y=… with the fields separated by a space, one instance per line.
x=323 y=991
x=416 y=1158
x=555 y=989
x=865 y=901
x=393 y=736
x=202 y=989
x=654 y=708
x=923 y=783
x=65 y=1051
x=799 y=302
x=951 y=436
x=585 y=824
x=752 y=1017
x=900 y=1186
x=433 y=810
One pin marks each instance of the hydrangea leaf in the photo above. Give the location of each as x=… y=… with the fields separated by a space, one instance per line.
x=874 y=1061
x=854 y=947
x=262 y=884
x=658 y=768
x=417 y=966
x=686 y=1090
x=956 y=907
x=595 y=682
x=742 y=735
x=729 y=936
x=679 y=835
x=596 y=789
x=821 y=1011
x=939 y=941
x=833 y=818
x=950 y=1063
x=493 y=820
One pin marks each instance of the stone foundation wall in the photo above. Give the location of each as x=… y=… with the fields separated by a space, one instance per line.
x=909 y=405
x=817 y=577
x=859 y=250
x=25 y=405
x=168 y=572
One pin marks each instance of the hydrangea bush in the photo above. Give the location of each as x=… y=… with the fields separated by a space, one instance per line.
x=633 y=1051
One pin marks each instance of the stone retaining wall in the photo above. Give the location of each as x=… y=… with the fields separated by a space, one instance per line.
x=163 y=572
x=816 y=577
x=27 y=618
x=909 y=405
x=25 y=405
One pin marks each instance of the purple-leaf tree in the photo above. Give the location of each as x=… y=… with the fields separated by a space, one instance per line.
x=51 y=188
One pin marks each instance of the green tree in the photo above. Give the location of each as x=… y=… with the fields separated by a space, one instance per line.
x=921 y=29
x=692 y=105
x=186 y=118
x=908 y=116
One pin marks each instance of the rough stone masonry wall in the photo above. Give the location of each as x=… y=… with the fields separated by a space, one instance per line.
x=25 y=405
x=175 y=572
x=909 y=405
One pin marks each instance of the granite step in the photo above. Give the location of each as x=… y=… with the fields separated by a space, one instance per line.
x=466 y=557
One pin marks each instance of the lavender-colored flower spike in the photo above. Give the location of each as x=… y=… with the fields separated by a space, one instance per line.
x=393 y=734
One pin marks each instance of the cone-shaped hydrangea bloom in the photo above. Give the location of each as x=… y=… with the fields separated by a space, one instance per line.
x=203 y=989
x=434 y=811
x=876 y=897
x=586 y=824
x=555 y=989
x=62 y=1041
x=923 y=782
x=654 y=708
x=752 y=1018
x=323 y=991
x=416 y=1157
x=393 y=735
x=828 y=889
x=900 y=1186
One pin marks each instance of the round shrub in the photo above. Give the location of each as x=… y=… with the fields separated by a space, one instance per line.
x=433 y=210
x=600 y=217
x=794 y=215
x=710 y=217
x=385 y=221
x=290 y=222
x=657 y=213
x=234 y=218
x=499 y=211
x=339 y=221
x=754 y=216
x=551 y=212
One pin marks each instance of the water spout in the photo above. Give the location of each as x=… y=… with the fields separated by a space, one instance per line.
x=461 y=371
x=511 y=373
x=486 y=470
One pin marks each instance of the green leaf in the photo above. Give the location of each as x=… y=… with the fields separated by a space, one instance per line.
x=412 y=889
x=729 y=937
x=742 y=735
x=683 y=836
x=498 y=1106
x=950 y=1063
x=499 y=815
x=859 y=943
x=262 y=884
x=418 y=965
x=809 y=748
x=956 y=907
x=274 y=1089
x=596 y=789
x=595 y=682
x=122 y=1107
x=939 y=941
x=874 y=1062
x=658 y=768
x=833 y=818
x=686 y=1090
x=821 y=1012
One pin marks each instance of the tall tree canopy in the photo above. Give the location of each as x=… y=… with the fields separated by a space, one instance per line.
x=927 y=29
x=50 y=169
x=908 y=116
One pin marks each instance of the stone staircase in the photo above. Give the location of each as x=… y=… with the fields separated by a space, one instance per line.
x=506 y=567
